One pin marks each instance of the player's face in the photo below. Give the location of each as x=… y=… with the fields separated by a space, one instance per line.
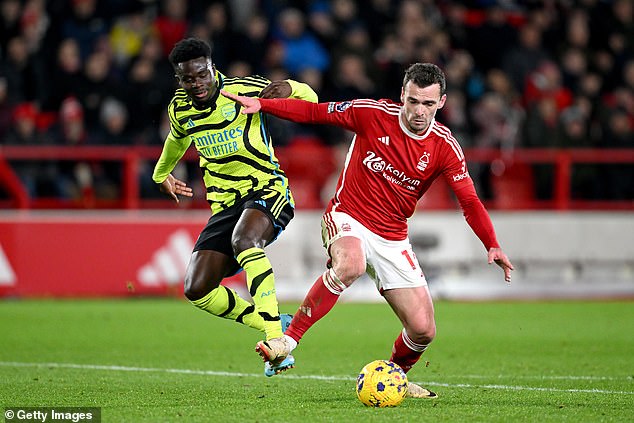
x=197 y=78
x=420 y=105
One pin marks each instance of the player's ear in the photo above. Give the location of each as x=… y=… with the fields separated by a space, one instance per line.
x=402 y=95
x=178 y=80
x=441 y=103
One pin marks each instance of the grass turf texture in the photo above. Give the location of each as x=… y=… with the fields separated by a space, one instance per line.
x=163 y=360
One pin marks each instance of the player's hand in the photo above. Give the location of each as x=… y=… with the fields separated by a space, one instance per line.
x=277 y=89
x=249 y=104
x=497 y=255
x=175 y=187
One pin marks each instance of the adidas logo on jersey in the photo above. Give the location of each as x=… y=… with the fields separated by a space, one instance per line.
x=385 y=140
x=190 y=123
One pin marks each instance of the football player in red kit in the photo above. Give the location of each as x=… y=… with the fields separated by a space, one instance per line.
x=398 y=150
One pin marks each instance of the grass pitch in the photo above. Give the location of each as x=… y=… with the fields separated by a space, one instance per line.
x=162 y=360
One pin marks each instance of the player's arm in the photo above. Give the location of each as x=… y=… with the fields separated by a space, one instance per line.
x=477 y=217
x=338 y=114
x=173 y=150
x=480 y=222
x=289 y=89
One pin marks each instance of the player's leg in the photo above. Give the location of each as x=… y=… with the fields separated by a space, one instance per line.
x=213 y=260
x=205 y=271
x=415 y=309
x=265 y=216
x=348 y=264
x=345 y=247
x=253 y=231
x=398 y=275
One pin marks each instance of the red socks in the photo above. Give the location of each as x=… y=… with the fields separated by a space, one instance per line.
x=318 y=302
x=322 y=297
x=406 y=353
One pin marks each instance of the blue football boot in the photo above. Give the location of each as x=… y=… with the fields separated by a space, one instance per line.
x=289 y=361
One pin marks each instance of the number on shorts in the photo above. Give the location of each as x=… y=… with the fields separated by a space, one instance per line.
x=409 y=259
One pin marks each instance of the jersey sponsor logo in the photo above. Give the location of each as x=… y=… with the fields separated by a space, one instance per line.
x=228 y=111
x=460 y=176
x=423 y=161
x=385 y=140
x=396 y=176
x=338 y=107
x=214 y=144
x=464 y=174
x=374 y=163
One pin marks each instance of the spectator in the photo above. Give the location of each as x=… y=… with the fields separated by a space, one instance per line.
x=145 y=98
x=96 y=85
x=10 y=12
x=523 y=58
x=493 y=39
x=300 y=48
x=50 y=50
x=22 y=72
x=6 y=109
x=85 y=25
x=66 y=73
x=34 y=24
x=128 y=34
x=171 y=24
x=253 y=43
x=351 y=79
x=40 y=178
x=113 y=124
x=545 y=82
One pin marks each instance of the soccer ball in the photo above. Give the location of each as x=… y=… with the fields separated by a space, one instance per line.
x=381 y=383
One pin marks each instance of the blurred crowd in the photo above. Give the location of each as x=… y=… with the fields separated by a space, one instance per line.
x=549 y=73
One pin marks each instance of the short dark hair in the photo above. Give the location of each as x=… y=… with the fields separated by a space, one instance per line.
x=188 y=49
x=424 y=75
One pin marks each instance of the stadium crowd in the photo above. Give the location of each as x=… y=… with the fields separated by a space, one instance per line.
x=549 y=73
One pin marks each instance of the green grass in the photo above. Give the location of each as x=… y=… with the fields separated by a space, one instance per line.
x=161 y=360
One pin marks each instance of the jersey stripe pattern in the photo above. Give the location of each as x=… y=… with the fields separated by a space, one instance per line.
x=236 y=154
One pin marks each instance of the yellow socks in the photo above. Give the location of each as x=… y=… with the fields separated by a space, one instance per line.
x=261 y=284
x=226 y=303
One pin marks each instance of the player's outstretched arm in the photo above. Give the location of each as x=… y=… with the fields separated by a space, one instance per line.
x=497 y=255
x=175 y=187
x=249 y=105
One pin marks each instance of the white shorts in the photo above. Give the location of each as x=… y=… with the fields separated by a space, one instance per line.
x=390 y=264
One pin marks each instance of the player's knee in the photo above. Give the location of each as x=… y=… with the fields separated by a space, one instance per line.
x=193 y=291
x=196 y=287
x=348 y=262
x=242 y=242
x=349 y=271
x=422 y=332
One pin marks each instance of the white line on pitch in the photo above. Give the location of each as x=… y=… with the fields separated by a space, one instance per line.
x=292 y=376
x=542 y=377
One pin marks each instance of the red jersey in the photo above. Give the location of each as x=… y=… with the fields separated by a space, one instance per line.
x=388 y=168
